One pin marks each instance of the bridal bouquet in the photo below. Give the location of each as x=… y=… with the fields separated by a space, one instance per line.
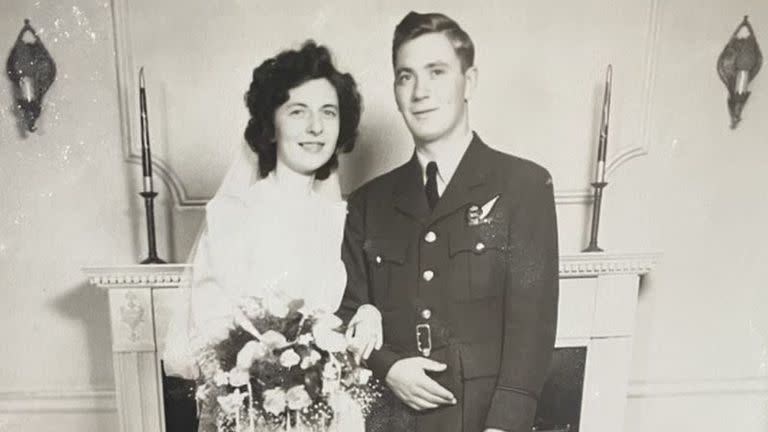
x=283 y=367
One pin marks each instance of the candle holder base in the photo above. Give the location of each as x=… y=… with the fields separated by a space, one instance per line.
x=592 y=248
x=149 y=197
x=596 y=206
x=153 y=260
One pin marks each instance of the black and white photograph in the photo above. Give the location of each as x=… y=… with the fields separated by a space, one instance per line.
x=405 y=216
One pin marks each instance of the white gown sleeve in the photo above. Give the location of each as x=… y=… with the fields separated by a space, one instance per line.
x=178 y=354
x=203 y=313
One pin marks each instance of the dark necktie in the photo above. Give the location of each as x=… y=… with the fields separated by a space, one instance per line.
x=431 y=186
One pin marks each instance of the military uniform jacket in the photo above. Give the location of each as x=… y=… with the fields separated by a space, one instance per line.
x=481 y=270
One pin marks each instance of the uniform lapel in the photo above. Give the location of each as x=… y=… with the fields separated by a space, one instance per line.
x=408 y=191
x=469 y=184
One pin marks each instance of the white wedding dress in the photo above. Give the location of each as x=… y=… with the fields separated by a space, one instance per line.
x=269 y=241
x=259 y=239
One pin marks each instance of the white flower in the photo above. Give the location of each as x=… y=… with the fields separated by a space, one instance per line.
x=289 y=358
x=310 y=360
x=251 y=307
x=362 y=376
x=238 y=377
x=331 y=375
x=250 y=352
x=304 y=339
x=325 y=335
x=331 y=371
x=221 y=378
x=273 y=340
x=201 y=393
x=274 y=400
x=231 y=403
x=329 y=321
x=329 y=340
x=298 y=398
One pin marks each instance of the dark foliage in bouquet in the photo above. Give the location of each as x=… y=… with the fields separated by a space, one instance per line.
x=279 y=365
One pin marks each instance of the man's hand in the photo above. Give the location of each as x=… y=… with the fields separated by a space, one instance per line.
x=410 y=383
x=364 y=332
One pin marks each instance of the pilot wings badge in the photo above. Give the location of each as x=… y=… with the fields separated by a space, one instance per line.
x=478 y=215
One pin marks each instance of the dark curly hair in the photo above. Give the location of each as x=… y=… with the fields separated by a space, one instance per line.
x=269 y=90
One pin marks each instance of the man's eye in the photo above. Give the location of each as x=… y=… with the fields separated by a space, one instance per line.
x=330 y=113
x=437 y=72
x=298 y=112
x=403 y=78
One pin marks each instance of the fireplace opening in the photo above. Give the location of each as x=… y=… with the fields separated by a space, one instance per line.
x=179 y=403
x=559 y=408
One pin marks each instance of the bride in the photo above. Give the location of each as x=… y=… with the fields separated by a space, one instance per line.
x=275 y=226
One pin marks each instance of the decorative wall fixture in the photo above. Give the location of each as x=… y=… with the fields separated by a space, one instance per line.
x=32 y=71
x=737 y=66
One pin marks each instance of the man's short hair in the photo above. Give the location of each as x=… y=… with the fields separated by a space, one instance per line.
x=415 y=24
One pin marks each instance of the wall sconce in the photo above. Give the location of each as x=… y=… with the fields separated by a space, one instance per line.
x=737 y=66
x=32 y=71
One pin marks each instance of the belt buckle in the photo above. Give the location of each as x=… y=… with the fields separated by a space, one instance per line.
x=424 y=339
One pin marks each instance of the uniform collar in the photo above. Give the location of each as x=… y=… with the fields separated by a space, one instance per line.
x=447 y=158
x=469 y=185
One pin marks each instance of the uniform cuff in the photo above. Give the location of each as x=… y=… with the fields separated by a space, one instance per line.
x=381 y=361
x=511 y=411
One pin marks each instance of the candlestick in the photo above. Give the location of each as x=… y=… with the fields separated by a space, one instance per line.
x=146 y=168
x=602 y=147
x=602 y=150
x=596 y=205
x=146 y=154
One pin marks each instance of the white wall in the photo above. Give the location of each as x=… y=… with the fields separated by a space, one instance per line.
x=701 y=352
x=66 y=202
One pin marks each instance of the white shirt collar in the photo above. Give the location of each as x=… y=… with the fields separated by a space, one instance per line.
x=447 y=160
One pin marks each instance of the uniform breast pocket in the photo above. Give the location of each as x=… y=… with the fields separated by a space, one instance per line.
x=386 y=258
x=478 y=256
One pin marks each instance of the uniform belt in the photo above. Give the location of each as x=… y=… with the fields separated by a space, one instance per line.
x=430 y=336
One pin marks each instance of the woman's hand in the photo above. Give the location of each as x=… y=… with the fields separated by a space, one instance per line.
x=364 y=333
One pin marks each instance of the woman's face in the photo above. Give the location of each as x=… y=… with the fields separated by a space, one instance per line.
x=307 y=126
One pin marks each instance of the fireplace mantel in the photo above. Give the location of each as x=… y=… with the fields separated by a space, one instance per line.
x=170 y=275
x=598 y=297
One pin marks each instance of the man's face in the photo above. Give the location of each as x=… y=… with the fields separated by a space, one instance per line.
x=431 y=90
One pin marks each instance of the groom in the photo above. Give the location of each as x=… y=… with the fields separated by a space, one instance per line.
x=458 y=250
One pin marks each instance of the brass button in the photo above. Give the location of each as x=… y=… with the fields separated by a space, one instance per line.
x=428 y=275
x=479 y=246
x=430 y=237
x=426 y=314
x=378 y=259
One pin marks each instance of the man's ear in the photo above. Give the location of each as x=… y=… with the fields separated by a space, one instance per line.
x=470 y=79
x=394 y=93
